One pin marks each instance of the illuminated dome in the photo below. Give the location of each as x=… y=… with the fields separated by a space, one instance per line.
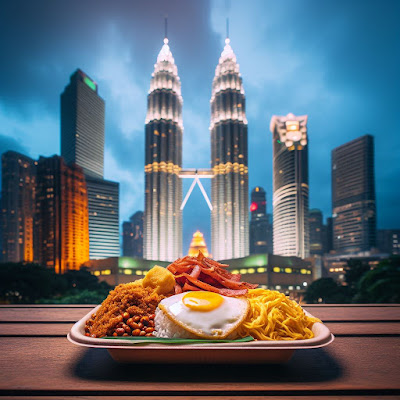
x=198 y=244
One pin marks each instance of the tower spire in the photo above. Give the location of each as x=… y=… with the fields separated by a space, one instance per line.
x=227 y=29
x=166 y=29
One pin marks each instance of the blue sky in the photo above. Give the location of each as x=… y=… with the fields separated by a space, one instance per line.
x=336 y=61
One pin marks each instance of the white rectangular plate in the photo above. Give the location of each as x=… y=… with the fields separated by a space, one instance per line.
x=271 y=351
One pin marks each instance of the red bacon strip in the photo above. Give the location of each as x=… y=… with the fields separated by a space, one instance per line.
x=203 y=273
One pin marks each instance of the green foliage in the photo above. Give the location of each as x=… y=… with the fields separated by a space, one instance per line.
x=363 y=284
x=354 y=271
x=31 y=283
x=326 y=290
x=380 y=285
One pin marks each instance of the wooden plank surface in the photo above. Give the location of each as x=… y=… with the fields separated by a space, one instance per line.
x=350 y=365
x=73 y=314
x=37 y=360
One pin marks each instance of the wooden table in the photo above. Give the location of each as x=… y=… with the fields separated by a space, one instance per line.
x=37 y=361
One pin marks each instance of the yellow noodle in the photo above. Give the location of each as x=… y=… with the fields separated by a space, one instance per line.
x=273 y=316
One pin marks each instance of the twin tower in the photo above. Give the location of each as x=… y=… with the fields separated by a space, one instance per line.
x=163 y=161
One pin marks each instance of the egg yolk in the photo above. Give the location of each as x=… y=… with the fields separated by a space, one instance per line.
x=202 y=301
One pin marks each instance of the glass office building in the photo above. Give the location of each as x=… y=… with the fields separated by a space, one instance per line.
x=290 y=185
x=103 y=199
x=82 y=125
x=353 y=196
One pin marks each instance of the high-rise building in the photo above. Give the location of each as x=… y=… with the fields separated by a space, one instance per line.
x=198 y=244
x=353 y=196
x=328 y=235
x=103 y=218
x=132 y=236
x=61 y=223
x=260 y=228
x=18 y=209
x=163 y=161
x=229 y=186
x=388 y=241
x=317 y=232
x=82 y=143
x=82 y=125
x=290 y=185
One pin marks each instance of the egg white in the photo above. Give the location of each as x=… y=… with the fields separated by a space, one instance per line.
x=214 y=324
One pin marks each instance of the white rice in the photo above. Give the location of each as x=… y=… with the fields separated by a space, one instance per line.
x=165 y=328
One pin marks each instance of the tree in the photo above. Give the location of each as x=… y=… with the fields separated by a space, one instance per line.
x=326 y=290
x=354 y=271
x=26 y=283
x=380 y=285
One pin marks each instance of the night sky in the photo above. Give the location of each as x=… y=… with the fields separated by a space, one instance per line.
x=338 y=61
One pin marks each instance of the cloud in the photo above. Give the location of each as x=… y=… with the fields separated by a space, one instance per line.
x=131 y=185
x=126 y=99
x=37 y=131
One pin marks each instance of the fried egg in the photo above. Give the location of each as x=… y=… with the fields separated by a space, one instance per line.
x=207 y=315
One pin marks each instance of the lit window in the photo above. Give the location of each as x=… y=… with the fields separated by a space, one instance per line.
x=243 y=271
x=261 y=269
x=276 y=269
x=97 y=273
x=288 y=271
x=128 y=272
x=138 y=272
x=251 y=270
x=278 y=287
x=303 y=271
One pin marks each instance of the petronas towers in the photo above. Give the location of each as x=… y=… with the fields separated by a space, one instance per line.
x=163 y=161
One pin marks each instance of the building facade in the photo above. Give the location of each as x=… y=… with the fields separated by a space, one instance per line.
x=317 y=232
x=260 y=226
x=82 y=143
x=82 y=125
x=290 y=185
x=132 y=236
x=388 y=241
x=18 y=208
x=103 y=199
x=353 y=196
x=62 y=221
x=229 y=161
x=163 y=161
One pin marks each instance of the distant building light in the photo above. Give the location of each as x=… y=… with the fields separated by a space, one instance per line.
x=304 y=283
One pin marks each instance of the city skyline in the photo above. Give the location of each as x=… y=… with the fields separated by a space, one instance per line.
x=320 y=71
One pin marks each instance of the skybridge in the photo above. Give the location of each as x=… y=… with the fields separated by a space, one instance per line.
x=196 y=175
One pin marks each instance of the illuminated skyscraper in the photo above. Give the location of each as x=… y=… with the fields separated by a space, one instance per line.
x=229 y=187
x=103 y=218
x=353 y=196
x=290 y=185
x=82 y=143
x=163 y=161
x=18 y=208
x=62 y=221
x=82 y=125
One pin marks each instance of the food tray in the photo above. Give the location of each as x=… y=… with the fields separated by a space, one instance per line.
x=223 y=353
